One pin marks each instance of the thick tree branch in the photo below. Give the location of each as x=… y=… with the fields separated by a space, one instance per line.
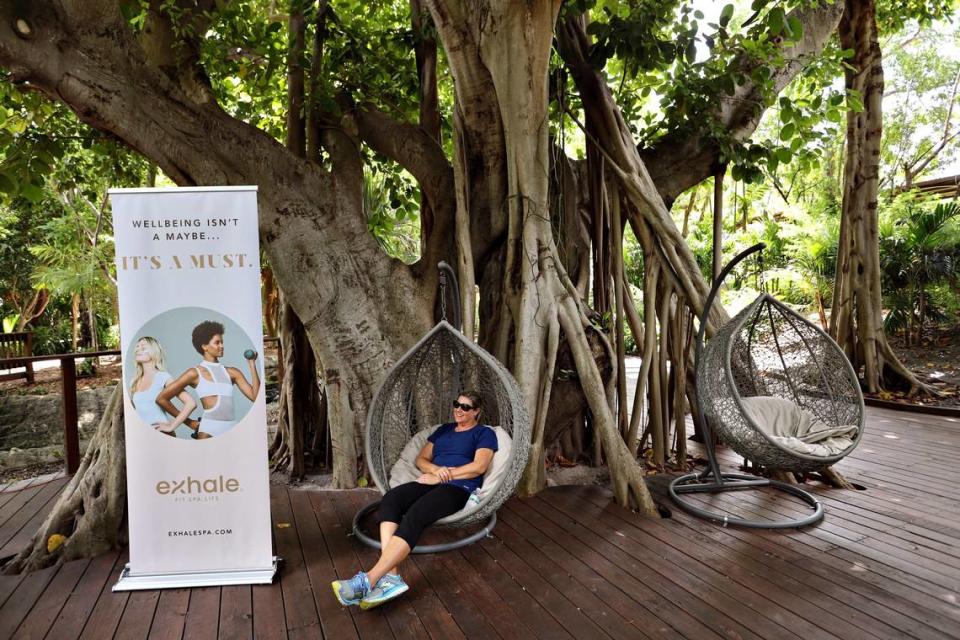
x=913 y=168
x=682 y=159
x=84 y=54
x=418 y=152
x=315 y=80
x=425 y=50
x=174 y=46
x=296 y=80
x=610 y=133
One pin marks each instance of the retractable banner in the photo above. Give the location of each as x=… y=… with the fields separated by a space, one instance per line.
x=188 y=279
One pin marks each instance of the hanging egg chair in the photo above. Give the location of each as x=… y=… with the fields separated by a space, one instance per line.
x=780 y=392
x=416 y=397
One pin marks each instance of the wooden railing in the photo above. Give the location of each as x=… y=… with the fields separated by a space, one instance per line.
x=15 y=351
x=68 y=377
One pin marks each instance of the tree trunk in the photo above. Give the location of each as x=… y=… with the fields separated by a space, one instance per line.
x=75 y=322
x=856 y=316
x=299 y=414
x=92 y=323
x=90 y=511
x=299 y=419
x=425 y=52
x=717 y=225
x=271 y=302
x=32 y=310
x=510 y=43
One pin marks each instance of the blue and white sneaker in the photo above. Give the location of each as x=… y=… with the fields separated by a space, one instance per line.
x=351 y=591
x=388 y=587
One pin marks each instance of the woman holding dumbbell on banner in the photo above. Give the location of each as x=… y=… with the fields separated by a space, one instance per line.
x=213 y=381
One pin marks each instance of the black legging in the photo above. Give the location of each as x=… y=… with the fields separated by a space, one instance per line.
x=415 y=506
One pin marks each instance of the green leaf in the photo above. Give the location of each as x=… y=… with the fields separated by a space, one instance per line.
x=760 y=74
x=796 y=27
x=783 y=154
x=775 y=19
x=8 y=184
x=32 y=192
x=787 y=132
x=833 y=115
x=725 y=14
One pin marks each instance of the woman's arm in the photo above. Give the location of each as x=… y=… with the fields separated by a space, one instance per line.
x=425 y=464
x=189 y=404
x=481 y=462
x=246 y=388
x=175 y=388
x=432 y=473
x=424 y=459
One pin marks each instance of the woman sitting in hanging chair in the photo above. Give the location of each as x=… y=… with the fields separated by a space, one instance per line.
x=453 y=462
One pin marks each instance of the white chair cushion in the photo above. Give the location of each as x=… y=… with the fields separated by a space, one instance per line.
x=405 y=469
x=796 y=429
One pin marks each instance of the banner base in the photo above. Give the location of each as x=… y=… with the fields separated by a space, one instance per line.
x=128 y=582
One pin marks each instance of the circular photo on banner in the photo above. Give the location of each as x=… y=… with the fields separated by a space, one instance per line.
x=192 y=373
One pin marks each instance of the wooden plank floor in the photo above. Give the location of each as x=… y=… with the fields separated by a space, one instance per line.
x=23 y=506
x=568 y=563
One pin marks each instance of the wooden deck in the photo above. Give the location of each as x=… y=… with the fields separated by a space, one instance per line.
x=885 y=563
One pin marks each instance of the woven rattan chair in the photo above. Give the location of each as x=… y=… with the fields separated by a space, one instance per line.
x=417 y=394
x=767 y=350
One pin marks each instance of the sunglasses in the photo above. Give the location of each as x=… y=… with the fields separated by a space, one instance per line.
x=465 y=407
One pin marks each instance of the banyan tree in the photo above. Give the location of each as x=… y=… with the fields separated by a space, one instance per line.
x=474 y=100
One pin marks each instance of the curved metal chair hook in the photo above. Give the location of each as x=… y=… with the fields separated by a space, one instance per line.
x=447 y=273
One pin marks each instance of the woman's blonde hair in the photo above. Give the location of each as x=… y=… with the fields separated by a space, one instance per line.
x=156 y=354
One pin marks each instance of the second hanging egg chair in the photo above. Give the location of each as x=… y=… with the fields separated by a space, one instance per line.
x=416 y=396
x=769 y=356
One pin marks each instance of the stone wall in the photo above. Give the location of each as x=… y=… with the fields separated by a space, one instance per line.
x=31 y=427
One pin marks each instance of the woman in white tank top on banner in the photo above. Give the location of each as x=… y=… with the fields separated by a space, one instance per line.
x=213 y=382
x=151 y=377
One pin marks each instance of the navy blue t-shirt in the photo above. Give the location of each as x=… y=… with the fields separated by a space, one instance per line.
x=452 y=448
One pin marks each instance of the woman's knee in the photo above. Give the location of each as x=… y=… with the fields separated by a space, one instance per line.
x=409 y=530
x=390 y=510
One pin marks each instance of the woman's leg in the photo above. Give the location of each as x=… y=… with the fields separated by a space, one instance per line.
x=387 y=529
x=396 y=501
x=442 y=500
x=393 y=506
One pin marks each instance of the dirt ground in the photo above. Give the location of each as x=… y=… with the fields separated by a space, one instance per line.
x=48 y=380
x=936 y=360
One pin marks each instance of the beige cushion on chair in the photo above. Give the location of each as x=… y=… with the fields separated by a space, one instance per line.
x=405 y=469
x=796 y=429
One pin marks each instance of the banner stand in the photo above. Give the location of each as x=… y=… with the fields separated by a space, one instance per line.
x=129 y=582
x=194 y=396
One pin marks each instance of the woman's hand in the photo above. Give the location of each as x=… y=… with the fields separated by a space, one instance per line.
x=164 y=427
x=428 y=478
x=445 y=474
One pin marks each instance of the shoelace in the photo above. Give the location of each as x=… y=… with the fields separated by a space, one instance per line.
x=358 y=584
